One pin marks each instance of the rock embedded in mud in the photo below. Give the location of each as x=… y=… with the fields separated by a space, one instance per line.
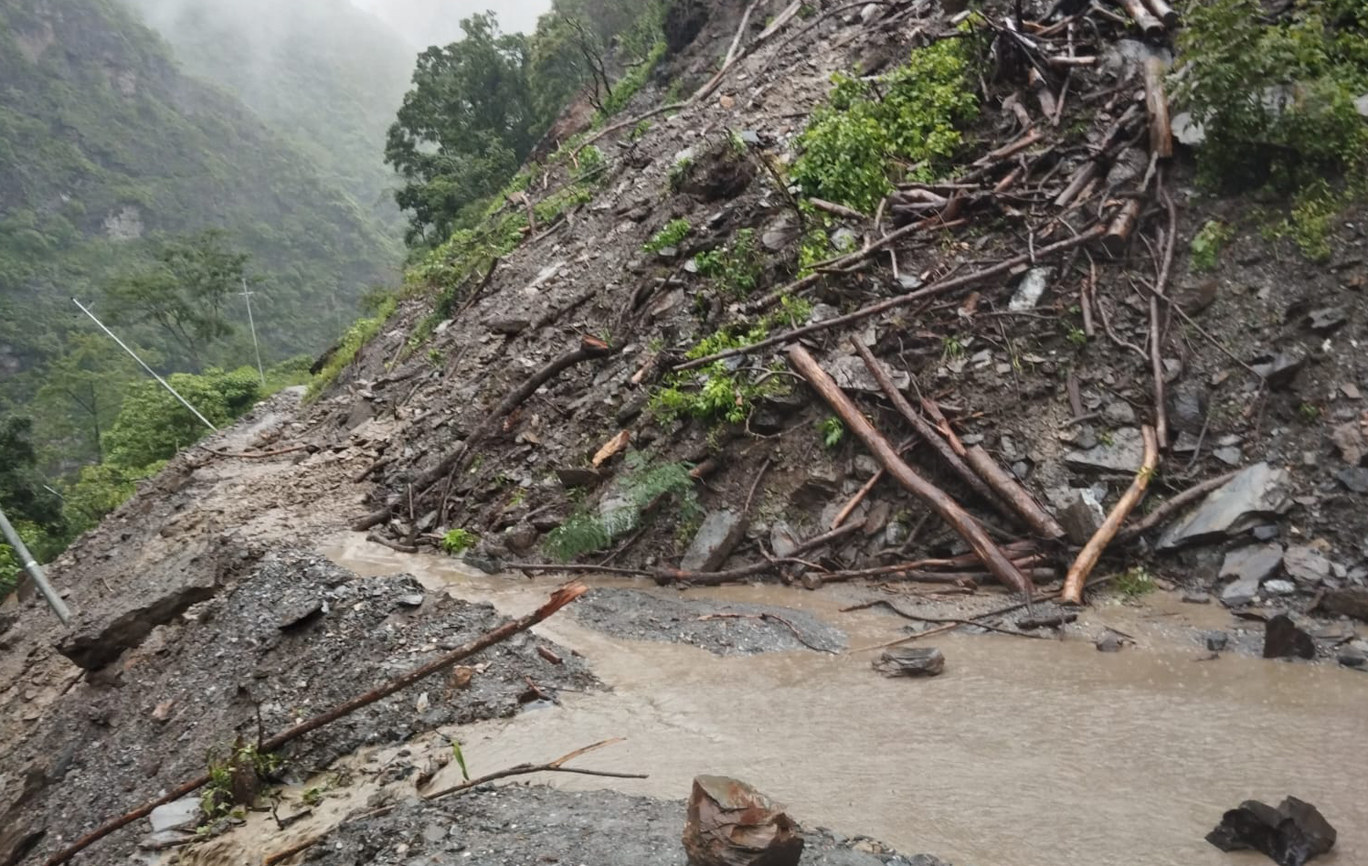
x=1350 y=601
x=1306 y=565
x=1291 y=834
x=1109 y=643
x=716 y=538
x=1284 y=639
x=910 y=662
x=1248 y=499
x=1355 y=479
x=730 y=823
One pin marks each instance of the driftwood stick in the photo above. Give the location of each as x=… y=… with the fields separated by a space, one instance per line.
x=1122 y=225
x=1163 y=11
x=837 y=209
x=559 y=599
x=630 y=122
x=1080 y=179
x=1164 y=512
x=1008 y=488
x=1092 y=551
x=924 y=429
x=855 y=500
x=936 y=288
x=1156 y=102
x=716 y=578
x=948 y=510
x=556 y=766
x=1148 y=24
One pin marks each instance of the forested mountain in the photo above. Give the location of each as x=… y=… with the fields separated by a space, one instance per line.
x=323 y=73
x=107 y=150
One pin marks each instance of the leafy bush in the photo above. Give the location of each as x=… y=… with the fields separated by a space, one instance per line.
x=589 y=530
x=716 y=391
x=1276 y=99
x=674 y=232
x=152 y=424
x=736 y=268
x=852 y=147
x=458 y=540
x=1206 y=245
x=359 y=334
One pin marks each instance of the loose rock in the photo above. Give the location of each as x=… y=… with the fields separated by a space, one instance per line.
x=910 y=662
x=720 y=533
x=1350 y=601
x=1124 y=453
x=1291 y=834
x=731 y=824
x=1246 y=500
x=1306 y=565
x=1283 y=639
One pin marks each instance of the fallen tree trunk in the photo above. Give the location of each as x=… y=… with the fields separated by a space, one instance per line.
x=1156 y=101
x=589 y=348
x=559 y=599
x=1147 y=23
x=1022 y=503
x=924 y=429
x=948 y=510
x=1092 y=551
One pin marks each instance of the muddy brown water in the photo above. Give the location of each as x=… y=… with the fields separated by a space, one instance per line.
x=1023 y=753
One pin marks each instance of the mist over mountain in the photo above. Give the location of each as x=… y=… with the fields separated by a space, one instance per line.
x=324 y=73
x=437 y=22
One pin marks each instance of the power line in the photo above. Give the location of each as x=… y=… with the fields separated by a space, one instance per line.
x=251 y=323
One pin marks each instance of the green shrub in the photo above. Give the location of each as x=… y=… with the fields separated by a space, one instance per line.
x=1276 y=99
x=152 y=425
x=1206 y=245
x=587 y=530
x=458 y=540
x=735 y=268
x=674 y=233
x=852 y=148
x=358 y=335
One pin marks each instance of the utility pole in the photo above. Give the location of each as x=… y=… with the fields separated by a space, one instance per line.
x=35 y=570
x=251 y=323
x=150 y=371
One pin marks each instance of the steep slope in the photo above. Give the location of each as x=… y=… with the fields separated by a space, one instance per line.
x=323 y=73
x=104 y=143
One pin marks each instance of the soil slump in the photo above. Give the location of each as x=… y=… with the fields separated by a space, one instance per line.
x=1024 y=752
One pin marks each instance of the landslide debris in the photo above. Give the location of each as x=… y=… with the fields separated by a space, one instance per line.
x=291 y=639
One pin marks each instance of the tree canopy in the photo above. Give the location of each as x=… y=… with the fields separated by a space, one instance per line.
x=465 y=127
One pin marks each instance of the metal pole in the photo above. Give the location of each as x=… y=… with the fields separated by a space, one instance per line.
x=150 y=371
x=251 y=323
x=35 y=570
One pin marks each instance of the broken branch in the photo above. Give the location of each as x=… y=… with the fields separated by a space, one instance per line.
x=1092 y=551
x=901 y=300
x=556 y=766
x=949 y=510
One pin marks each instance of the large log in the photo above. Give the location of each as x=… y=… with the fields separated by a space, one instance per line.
x=1156 y=103
x=948 y=509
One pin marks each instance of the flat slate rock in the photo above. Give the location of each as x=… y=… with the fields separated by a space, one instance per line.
x=1252 y=497
x=1124 y=453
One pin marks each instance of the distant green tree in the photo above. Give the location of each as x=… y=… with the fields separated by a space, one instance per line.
x=81 y=393
x=464 y=128
x=152 y=425
x=184 y=292
x=35 y=512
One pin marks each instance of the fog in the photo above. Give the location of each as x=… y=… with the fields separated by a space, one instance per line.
x=438 y=22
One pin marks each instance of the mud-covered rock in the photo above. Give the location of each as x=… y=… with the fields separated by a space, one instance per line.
x=1291 y=834
x=1251 y=497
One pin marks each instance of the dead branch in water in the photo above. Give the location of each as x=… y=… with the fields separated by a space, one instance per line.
x=559 y=599
x=716 y=578
x=556 y=766
x=948 y=510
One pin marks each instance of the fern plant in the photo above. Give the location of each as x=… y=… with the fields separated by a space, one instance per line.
x=589 y=530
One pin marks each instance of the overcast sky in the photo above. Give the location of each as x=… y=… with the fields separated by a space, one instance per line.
x=437 y=22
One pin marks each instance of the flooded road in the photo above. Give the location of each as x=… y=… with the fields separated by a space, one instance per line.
x=1024 y=753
